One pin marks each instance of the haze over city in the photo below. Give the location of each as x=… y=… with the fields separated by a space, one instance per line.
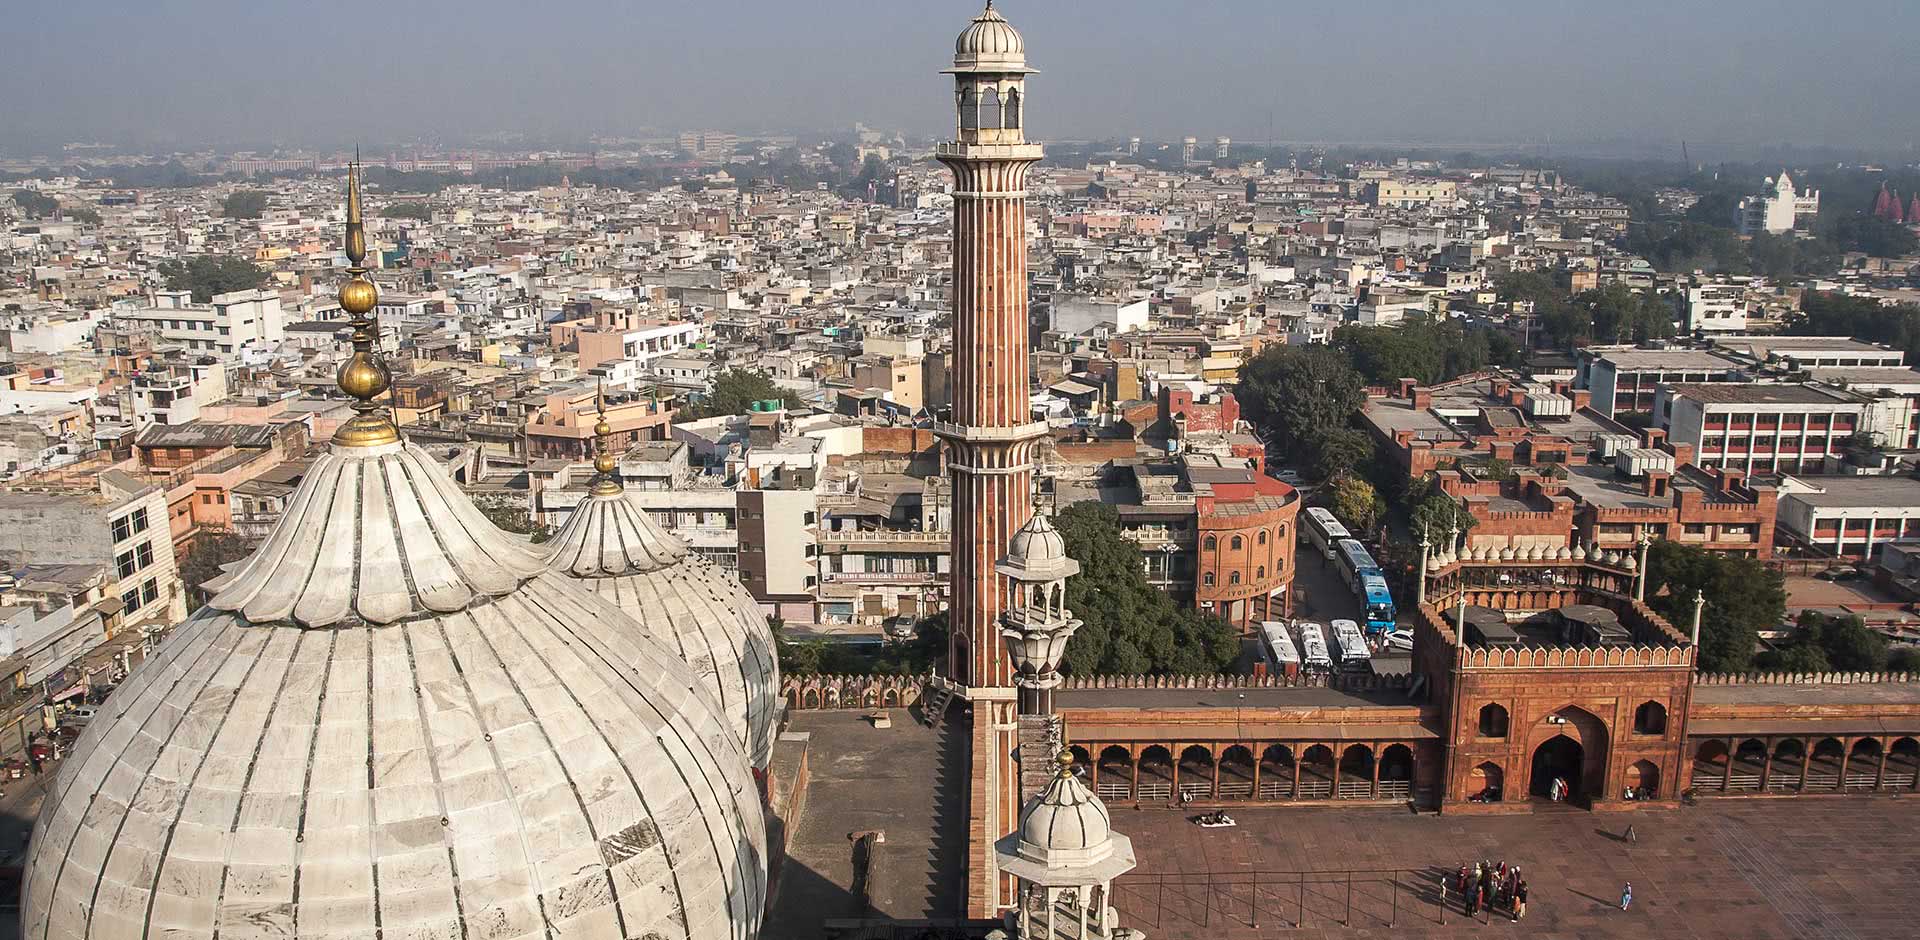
x=1651 y=73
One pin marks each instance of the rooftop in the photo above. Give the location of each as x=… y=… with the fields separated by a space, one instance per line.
x=1838 y=492
x=1761 y=393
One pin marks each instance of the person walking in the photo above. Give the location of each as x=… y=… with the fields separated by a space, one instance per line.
x=1632 y=837
x=1520 y=900
x=1626 y=896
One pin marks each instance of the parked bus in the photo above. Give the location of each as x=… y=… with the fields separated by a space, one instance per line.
x=1353 y=644
x=1368 y=583
x=1324 y=531
x=1313 y=645
x=1283 y=658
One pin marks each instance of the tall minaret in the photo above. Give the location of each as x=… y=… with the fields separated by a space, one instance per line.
x=991 y=436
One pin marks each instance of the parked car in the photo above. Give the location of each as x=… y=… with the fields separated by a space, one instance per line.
x=1840 y=573
x=79 y=716
x=1401 y=639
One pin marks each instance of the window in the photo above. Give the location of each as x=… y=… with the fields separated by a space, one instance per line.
x=150 y=591
x=1212 y=543
x=990 y=108
x=1261 y=539
x=1233 y=577
x=1493 y=721
x=969 y=116
x=1011 y=113
x=144 y=554
x=1260 y=572
x=1238 y=543
x=1650 y=718
x=1207 y=579
x=130 y=600
x=125 y=564
x=139 y=518
x=122 y=528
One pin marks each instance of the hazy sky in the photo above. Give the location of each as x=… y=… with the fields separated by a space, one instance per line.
x=1841 y=73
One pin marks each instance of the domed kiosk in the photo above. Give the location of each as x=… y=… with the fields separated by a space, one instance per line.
x=1065 y=856
x=683 y=601
x=394 y=720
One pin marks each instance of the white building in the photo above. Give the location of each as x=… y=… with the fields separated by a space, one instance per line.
x=233 y=322
x=1779 y=209
x=1717 y=308
x=1076 y=315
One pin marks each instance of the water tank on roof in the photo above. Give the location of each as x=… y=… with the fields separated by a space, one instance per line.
x=1638 y=461
x=1612 y=444
x=1542 y=402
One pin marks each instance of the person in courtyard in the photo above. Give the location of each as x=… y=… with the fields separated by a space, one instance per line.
x=1520 y=900
x=1626 y=896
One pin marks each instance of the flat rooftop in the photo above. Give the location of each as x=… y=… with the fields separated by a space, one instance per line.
x=1842 y=492
x=1759 y=393
x=1670 y=360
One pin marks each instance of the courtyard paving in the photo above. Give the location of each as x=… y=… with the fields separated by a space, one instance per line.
x=1752 y=870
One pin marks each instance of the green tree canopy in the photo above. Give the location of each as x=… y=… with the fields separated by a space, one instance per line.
x=35 y=205
x=1834 y=314
x=510 y=516
x=1129 y=626
x=1300 y=395
x=1435 y=514
x=418 y=211
x=1878 y=237
x=1743 y=596
x=1356 y=503
x=84 y=214
x=245 y=204
x=1617 y=313
x=207 y=275
x=206 y=556
x=1421 y=348
x=734 y=392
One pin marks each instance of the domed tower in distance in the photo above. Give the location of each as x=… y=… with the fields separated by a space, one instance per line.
x=393 y=720
x=684 y=602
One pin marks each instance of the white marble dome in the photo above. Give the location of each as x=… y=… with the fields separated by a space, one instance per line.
x=1066 y=824
x=393 y=720
x=989 y=43
x=1038 y=552
x=685 y=602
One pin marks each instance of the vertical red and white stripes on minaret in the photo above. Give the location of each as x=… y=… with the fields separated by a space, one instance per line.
x=991 y=436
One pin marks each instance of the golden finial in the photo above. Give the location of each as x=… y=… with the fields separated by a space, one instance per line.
x=1065 y=760
x=605 y=483
x=363 y=375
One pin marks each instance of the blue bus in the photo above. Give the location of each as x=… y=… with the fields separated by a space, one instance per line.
x=1367 y=582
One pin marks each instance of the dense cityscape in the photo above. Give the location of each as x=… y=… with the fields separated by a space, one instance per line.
x=719 y=534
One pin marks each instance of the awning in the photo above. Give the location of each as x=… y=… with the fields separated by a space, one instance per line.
x=1895 y=725
x=68 y=692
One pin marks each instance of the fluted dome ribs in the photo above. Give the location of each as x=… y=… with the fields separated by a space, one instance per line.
x=355 y=543
x=482 y=769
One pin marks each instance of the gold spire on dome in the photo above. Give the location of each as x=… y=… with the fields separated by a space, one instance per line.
x=605 y=483
x=1065 y=760
x=363 y=375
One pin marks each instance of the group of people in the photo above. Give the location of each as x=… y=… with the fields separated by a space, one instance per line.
x=1493 y=887
x=1557 y=790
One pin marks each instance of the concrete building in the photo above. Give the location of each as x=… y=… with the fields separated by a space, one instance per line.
x=1717 y=308
x=233 y=323
x=1775 y=428
x=1624 y=379
x=1778 y=209
x=124 y=531
x=641 y=344
x=1080 y=314
x=1846 y=516
x=1409 y=194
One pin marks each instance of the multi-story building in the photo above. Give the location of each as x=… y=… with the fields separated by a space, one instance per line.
x=640 y=344
x=561 y=425
x=174 y=393
x=1624 y=379
x=1776 y=428
x=235 y=322
x=1408 y=194
x=1717 y=308
x=71 y=520
x=1778 y=209
x=1846 y=516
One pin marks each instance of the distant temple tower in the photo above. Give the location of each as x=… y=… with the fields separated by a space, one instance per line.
x=991 y=434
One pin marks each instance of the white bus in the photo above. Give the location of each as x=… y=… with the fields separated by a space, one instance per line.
x=1324 y=531
x=1352 y=643
x=1313 y=645
x=1283 y=658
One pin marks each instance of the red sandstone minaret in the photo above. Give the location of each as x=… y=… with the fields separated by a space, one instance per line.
x=991 y=436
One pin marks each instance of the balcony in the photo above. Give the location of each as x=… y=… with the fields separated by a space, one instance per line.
x=885 y=577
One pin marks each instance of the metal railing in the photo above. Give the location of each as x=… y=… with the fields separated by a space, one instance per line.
x=1176 y=903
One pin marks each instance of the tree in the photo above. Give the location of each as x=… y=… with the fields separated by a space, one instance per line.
x=1743 y=595
x=1355 y=502
x=1298 y=395
x=1436 y=515
x=1338 y=451
x=418 y=211
x=1129 y=626
x=734 y=393
x=84 y=214
x=207 y=557
x=35 y=205
x=245 y=204
x=1878 y=237
x=1850 y=646
x=207 y=275
x=1619 y=314
x=1904 y=659
x=510 y=516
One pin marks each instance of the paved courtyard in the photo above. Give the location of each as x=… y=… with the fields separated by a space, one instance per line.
x=1751 y=870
